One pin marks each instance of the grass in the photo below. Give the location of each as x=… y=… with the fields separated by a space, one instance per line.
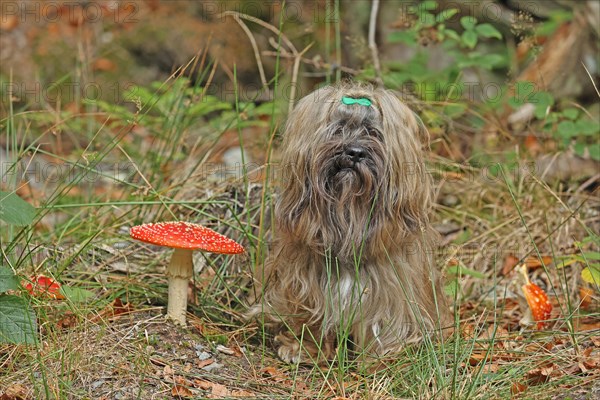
x=109 y=339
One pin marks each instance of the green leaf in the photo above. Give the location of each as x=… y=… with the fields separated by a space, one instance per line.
x=579 y=148
x=451 y=288
x=488 y=31
x=461 y=270
x=591 y=274
x=587 y=127
x=468 y=22
x=469 y=38
x=427 y=19
x=542 y=101
x=567 y=262
x=451 y=34
x=8 y=280
x=445 y=15
x=76 y=295
x=17 y=321
x=594 y=151
x=428 y=5
x=14 y=210
x=566 y=129
x=570 y=113
x=591 y=255
x=406 y=37
x=455 y=110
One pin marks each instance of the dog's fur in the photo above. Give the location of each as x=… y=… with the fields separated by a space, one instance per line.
x=354 y=247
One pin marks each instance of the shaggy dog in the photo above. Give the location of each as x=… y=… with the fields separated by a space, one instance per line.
x=353 y=258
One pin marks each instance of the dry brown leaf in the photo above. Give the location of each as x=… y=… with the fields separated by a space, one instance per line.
x=15 y=392
x=539 y=375
x=104 y=64
x=517 y=388
x=204 y=363
x=587 y=297
x=533 y=262
x=487 y=368
x=113 y=310
x=274 y=373
x=181 y=381
x=532 y=144
x=242 y=393
x=584 y=326
x=237 y=351
x=202 y=384
x=68 y=321
x=8 y=22
x=181 y=392
x=219 y=390
x=510 y=262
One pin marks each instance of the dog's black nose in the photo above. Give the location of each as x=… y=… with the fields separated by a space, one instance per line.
x=355 y=153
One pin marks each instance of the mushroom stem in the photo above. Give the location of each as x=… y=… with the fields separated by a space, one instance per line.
x=179 y=272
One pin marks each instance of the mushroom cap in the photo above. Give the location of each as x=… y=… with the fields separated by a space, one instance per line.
x=185 y=235
x=539 y=304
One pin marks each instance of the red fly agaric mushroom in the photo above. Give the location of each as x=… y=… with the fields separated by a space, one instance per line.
x=184 y=237
x=537 y=300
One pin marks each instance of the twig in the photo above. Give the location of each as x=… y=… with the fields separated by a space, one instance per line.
x=262 y=23
x=259 y=64
x=372 y=44
x=314 y=63
x=297 y=56
x=591 y=79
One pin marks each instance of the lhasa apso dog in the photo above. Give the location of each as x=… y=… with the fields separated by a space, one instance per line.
x=354 y=252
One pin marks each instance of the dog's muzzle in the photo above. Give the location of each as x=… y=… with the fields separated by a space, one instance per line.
x=351 y=156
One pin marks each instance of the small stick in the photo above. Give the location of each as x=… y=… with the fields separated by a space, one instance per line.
x=372 y=44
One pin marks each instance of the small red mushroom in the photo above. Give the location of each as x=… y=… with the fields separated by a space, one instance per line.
x=537 y=300
x=184 y=237
x=44 y=286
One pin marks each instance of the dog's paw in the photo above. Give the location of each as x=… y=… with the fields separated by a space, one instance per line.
x=288 y=349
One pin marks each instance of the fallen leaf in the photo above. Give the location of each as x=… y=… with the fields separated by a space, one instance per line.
x=204 y=363
x=8 y=22
x=103 y=64
x=534 y=262
x=532 y=144
x=517 y=388
x=181 y=392
x=587 y=297
x=113 y=310
x=202 y=384
x=68 y=321
x=510 y=263
x=181 y=381
x=242 y=394
x=15 y=392
x=225 y=350
x=274 y=373
x=539 y=375
x=168 y=371
x=219 y=390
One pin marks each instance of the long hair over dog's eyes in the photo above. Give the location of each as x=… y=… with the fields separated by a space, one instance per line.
x=374 y=133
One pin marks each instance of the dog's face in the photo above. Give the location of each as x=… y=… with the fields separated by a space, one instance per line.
x=354 y=172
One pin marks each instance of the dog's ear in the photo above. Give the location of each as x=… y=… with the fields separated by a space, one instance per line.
x=420 y=131
x=409 y=193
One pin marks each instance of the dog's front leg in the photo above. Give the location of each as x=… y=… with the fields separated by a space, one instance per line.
x=303 y=344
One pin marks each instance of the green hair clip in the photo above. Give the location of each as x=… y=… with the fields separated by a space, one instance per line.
x=363 y=101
